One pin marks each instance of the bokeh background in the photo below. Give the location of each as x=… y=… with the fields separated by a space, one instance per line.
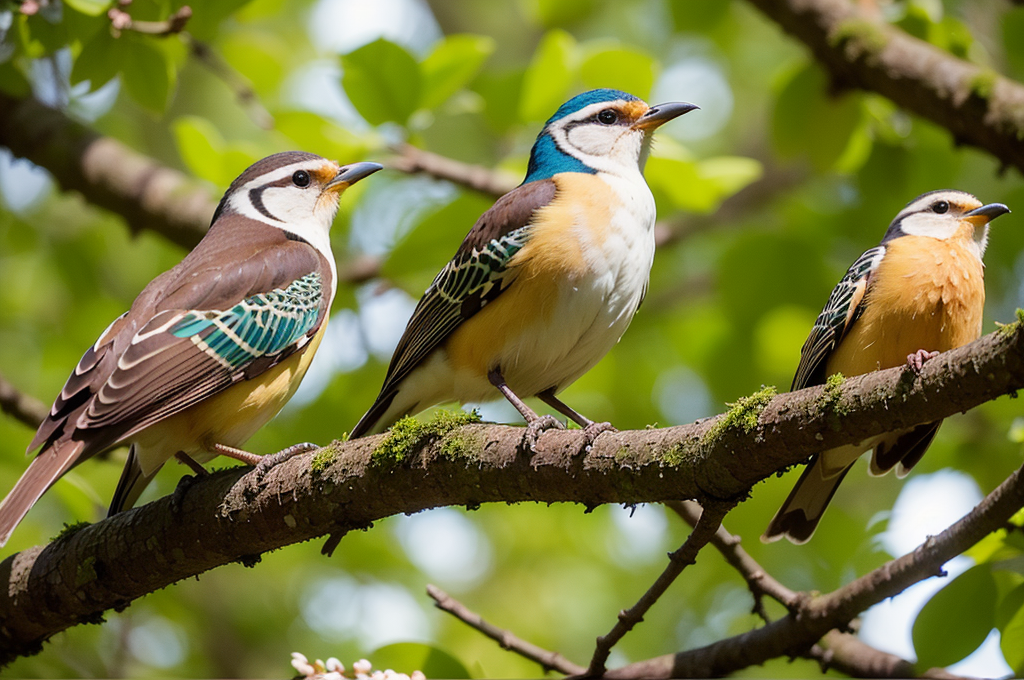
x=765 y=196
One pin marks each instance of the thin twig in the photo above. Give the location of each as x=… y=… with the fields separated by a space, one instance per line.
x=703 y=532
x=547 y=659
x=412 y=160
x=20 y=406
x=120 y=20
x=235 y=82
x=759 y=581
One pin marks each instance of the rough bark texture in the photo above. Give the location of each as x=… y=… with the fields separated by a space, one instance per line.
x=232 y=516
x=976 y=104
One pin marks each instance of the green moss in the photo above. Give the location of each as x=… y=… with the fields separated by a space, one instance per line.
x=70 y=530
x=983 y=83
x=457 y=445
x=860 y=34
x=322 y=460
x=86 y=571
x=832 y=397
x=742 y=414
x=1008 y=329
x=408 y=434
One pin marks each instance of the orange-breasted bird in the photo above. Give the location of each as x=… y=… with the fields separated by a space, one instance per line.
x=547 y=280
x=920 y=292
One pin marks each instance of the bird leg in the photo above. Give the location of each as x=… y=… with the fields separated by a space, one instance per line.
x=263 y=463
x=535 y=424
x=591 y=430
x=916 y=360
x=186 y=482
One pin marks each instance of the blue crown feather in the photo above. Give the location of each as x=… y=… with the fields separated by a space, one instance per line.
x=546 y=159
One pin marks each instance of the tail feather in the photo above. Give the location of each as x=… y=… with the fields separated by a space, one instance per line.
x=799 y=515
x=131 y=485
x=45 y=469
x=374 y=421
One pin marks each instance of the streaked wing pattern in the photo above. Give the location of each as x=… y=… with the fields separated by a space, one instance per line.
x=460 y=290
x=841 y=310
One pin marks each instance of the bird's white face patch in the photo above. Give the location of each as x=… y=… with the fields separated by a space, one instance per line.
x=615 y=148
x=275 y=198
x=939 y=215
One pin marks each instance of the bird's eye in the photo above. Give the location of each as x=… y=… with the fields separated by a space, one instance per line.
x=301 y=178
x=608 y=117
x=940 y=207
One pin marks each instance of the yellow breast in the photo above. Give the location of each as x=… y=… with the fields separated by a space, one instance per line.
x=927 y=294
x=230 y=417
x=566 y=232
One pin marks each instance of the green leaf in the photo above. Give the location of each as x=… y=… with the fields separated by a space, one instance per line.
x=1010 y=622
x=699 y=186
x=620 y=67
x=547 y=79
x=383 y=81
x=452 y=64
x=406 y=657
x=13 y=81
x=312 y=132
x=551 y=13
x=99 y=61
x=807 y=121
x=147 y=74
x=957 y=619
x=93 y=8
x=201 y=147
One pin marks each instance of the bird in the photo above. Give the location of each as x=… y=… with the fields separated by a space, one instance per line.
x=211 y=349
x=546 y=281
x=921 y=291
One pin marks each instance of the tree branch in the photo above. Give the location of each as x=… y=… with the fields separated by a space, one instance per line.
x=814 y=618
x=106 y=172
x=977 y=105
x=231 y=516
x=20 y=406
x=703 y=531
x=506 y=639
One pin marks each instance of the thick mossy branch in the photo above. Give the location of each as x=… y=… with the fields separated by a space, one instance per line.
x=977 y=105
x=232 y=515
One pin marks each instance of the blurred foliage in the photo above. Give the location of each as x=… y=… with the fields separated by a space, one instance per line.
x=729 y=305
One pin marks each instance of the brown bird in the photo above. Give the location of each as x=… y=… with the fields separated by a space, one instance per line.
x=918 y=293
x=210 y=350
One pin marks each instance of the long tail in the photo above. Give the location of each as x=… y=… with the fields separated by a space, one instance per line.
x=799 y=515
x=44 y=470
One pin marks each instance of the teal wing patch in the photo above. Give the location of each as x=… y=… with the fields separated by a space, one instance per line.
x=466 y=284
x=181 y=357
x=842 y=309
x=267 y=323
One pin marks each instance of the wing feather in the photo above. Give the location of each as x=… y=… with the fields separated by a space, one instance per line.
x=841 y=310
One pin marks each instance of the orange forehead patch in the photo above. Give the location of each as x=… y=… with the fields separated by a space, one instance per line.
x=326 y=172
x=635 y=109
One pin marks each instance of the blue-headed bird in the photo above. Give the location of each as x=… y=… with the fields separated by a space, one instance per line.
x=546 y=281
x=918 y=293
x=210 y=350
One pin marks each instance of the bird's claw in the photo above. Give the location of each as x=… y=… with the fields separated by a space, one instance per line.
x=178 y=495
x=916 y=360
x=274 y=459
x=595 y=430
x=535 y=428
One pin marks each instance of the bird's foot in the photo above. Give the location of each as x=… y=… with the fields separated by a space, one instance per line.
x=594 y=430
x=535 y=428
x=274 y=459
x=916 y=360
x=180 y=491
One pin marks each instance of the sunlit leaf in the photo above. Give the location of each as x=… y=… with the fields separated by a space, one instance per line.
x=957 y=619
x=201 y=147
x=619 y=67
x=146 y=73
x=452 y=64
x=383 y=81
x=92 y=8
x=547 y=79
x=1010 y=622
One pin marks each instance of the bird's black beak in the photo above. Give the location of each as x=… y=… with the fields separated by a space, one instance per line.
x=986 y=213
x=350 y=174
x=661 y=114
